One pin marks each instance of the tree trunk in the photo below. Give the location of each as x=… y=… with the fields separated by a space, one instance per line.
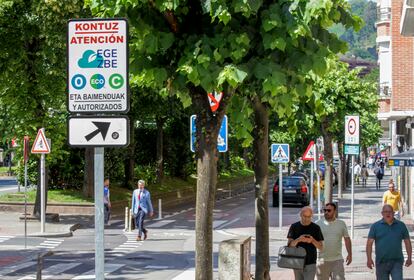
x=261 y=159
x=129 y=162
x=88 y=178
x=328 y=156
x=207 y=129
x=160 y=144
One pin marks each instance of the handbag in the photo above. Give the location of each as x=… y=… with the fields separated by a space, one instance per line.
x=291 y=257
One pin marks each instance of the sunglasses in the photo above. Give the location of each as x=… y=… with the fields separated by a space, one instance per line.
x=327 y=210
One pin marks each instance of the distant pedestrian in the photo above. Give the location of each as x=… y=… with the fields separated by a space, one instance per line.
x=357 y=172
x=307 y=235
x=388 y=234
x=393 y=198
x=330 y=260
x=107 y=202
x=321 y=189
x=141 y=206
x=364 y=175
x=379 y=174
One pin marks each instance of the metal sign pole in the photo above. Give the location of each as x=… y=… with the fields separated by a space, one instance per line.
x=25 y=204
x=318 y=178
x=352 y=197
x=42 y=194
x=311 y=185
x=280 y=196
x=99 y=214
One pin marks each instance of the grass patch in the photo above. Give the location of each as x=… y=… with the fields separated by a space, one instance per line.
x=118 y=193
x=5 y=169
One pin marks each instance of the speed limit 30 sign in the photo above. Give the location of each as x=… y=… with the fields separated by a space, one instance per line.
x=352 y=130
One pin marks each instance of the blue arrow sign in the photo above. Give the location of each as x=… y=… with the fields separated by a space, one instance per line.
x=221 y=138
x=280 y=153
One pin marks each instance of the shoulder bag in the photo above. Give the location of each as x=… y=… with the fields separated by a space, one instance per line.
x=291 y=257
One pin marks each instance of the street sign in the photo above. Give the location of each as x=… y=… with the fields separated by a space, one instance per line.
x=351 y=149
x=98 y=131
x=280 y=153
x=40 y=145
x=352 y=130
x=222 y=138
x=214 y=99
x=97 y=66
x=310 y=152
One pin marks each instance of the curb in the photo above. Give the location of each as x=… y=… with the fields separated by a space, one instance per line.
x=68 y=233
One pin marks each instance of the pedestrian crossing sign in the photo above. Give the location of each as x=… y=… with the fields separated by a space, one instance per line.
x=280 y=153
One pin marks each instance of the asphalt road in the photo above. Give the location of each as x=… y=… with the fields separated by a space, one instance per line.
x=8 y=185
x=168 y=253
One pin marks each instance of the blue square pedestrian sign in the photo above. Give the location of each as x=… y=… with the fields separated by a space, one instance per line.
x=280 y=153
x=222 y=145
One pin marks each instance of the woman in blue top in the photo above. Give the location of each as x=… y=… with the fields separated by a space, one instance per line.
x=107 y=202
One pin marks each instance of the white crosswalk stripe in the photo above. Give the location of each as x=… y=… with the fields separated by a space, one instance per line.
x=127 y=247
x=109 y=268
x=5 y=238
x=51 y=271
x=15 y=268
x=50 y=243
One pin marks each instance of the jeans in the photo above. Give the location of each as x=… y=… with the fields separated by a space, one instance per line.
x=390 y=268
x=308 y=273
x=139 y=222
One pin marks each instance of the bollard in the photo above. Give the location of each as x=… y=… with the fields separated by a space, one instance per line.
x=234 y=259
x=126 y=219
x=130 y=221
x=159 y=209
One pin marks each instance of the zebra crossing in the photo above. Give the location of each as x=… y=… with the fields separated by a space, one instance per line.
x=50 y=243
x=127 y=247
x=67 y=270
x=4 y=238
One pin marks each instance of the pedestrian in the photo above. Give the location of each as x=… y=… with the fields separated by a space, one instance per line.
x=393 y=198
x=364 y=175
x=379 y=174
x=107 y=202
x=357 y=172
x=307 y=235
x=388 y=234
x=330 y=260
x=141 y=206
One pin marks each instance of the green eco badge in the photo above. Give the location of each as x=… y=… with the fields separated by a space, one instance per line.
x=116 y=81
x=97 y=81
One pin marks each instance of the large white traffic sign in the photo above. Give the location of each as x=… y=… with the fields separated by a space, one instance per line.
x=97 y=66
x=98 y=131
x=352 y=130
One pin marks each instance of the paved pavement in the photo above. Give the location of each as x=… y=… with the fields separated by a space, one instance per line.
x=8 y=185
x=169 y=253
x=367 y=211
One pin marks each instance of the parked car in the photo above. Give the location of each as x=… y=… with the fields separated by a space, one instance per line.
x=301 y=174
x=295 y=190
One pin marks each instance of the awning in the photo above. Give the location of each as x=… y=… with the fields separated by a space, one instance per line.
x=403 y=159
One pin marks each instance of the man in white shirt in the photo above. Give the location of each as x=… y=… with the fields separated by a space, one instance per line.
x=357 y=172
x=330 y=260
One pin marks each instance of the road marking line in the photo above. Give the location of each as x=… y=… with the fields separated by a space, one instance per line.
x=189 y=274
x=52 y=271
x=227 y=224
x=157 y=267
x=226 y=233
x=218 y=223
x=109 y=268
x=161 y=223
x=14 y=268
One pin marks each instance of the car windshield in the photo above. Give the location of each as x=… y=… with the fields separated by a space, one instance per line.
x=291 y=181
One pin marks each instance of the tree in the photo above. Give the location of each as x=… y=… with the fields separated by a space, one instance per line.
x=337 y=94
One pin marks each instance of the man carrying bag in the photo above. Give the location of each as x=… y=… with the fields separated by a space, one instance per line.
x=307 y=235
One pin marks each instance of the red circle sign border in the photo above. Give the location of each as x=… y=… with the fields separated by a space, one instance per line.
x=351 y=120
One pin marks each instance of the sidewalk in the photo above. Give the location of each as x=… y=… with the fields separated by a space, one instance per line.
x=367 y=208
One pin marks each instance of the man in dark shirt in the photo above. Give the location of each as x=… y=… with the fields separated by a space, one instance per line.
x=307 y=235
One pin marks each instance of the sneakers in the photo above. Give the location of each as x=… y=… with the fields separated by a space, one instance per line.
x=138 y=238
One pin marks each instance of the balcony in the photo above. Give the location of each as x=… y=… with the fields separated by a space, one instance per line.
x=383 y=15
x=385 y=91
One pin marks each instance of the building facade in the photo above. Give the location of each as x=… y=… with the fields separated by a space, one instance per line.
x=395 y=47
